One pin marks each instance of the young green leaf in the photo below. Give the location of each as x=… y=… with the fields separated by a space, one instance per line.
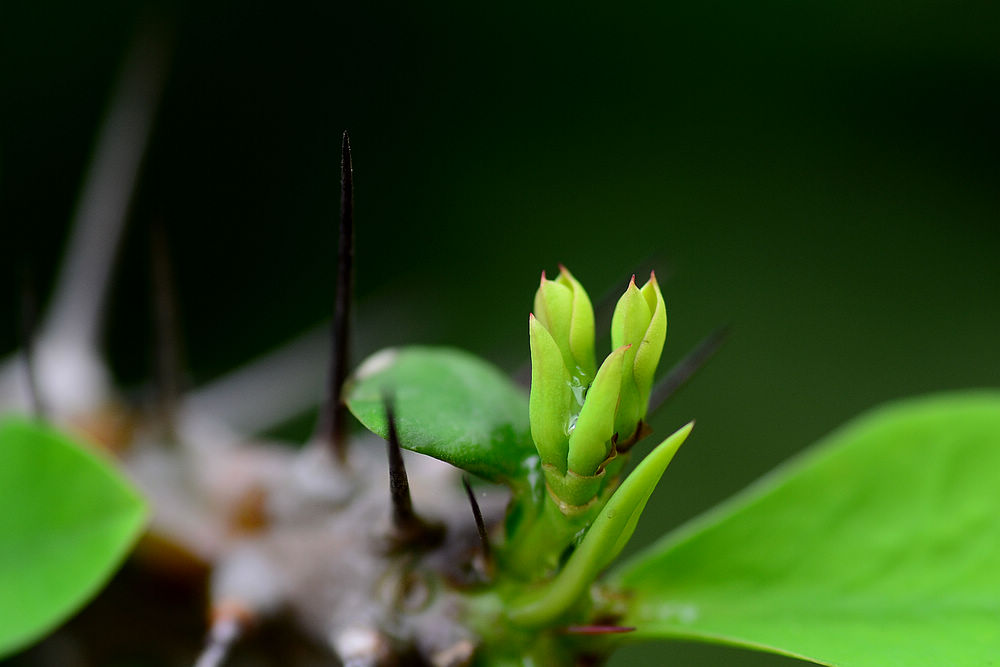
x=450 y=405
x=68 y=518
x=604 y=539
x=879 y=547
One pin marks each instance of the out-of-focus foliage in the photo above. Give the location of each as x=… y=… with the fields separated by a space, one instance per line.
x=67 y=519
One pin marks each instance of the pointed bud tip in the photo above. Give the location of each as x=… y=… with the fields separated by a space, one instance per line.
x=631 y=283
x=542 y=281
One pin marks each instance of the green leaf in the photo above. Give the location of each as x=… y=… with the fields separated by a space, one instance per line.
x=879 y=547
x=603 y=541
x=450 y=405
x=68 y=518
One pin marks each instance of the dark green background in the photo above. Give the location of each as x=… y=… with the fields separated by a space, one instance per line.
x=824 y=177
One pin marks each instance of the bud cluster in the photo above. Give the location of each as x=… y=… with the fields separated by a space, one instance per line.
x=581 y=418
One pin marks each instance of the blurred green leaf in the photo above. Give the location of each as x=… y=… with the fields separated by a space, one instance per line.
x=450 y=405
x=67 y=519
x=879 y=547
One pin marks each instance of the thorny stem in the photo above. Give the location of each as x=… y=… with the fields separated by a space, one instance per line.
x=334 y=421
x=534 y=550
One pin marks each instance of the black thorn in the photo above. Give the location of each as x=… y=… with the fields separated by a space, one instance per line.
x=29 y=327
x=403 y=517
x=334 y=421
x=480 y=524
x=409 y=529
x=684 y=369
x=167 y=339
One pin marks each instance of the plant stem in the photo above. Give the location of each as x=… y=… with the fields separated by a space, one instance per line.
x=534 y=549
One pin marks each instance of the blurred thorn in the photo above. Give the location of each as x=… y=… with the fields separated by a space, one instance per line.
x=102 y=208
x=408 y=528
x=167 y=352
x=484 y=538
x=245 y=400
x=597 y=630
x=333 y=422
x=29 y=324
x=684 y=369
x=604 y=308
x=228 y=625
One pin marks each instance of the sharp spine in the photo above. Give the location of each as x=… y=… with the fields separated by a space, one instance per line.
x=409 y=528
x=403 y=517
x=484 y=538
x=334 y=420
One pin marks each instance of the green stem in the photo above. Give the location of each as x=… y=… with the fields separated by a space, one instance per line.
x=535 y=547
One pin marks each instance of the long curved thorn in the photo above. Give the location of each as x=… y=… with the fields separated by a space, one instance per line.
x=333 y=425
x=685 y=369
x=477 y=514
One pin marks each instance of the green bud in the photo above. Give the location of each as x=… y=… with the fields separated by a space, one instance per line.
x=640 y=320
x=647 y=357
x=551 y=398
x=576 y=413
x=563 y=307
x=590 y=440
x=581 y=328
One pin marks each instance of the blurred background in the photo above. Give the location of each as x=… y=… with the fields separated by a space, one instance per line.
x=823 y=177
